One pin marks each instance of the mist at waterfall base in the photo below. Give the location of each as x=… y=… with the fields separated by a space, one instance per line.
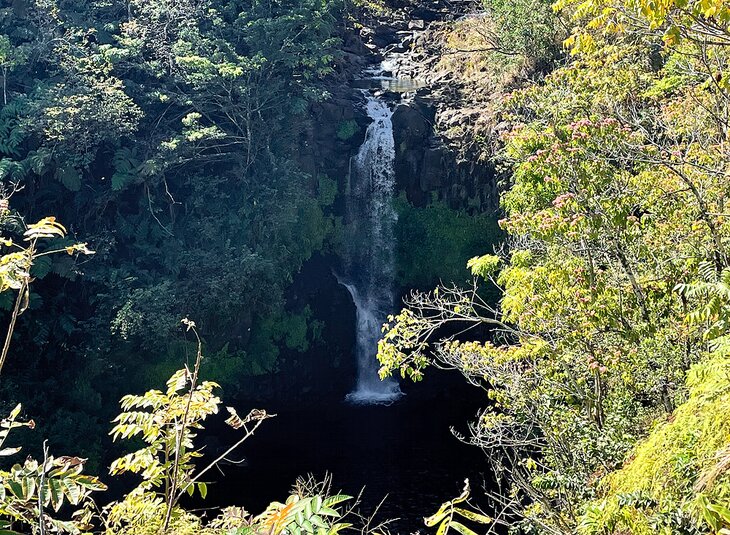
x=369 y=388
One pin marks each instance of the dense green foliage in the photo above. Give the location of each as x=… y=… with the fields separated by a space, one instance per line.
x=432 y=243
x=526 y=29
x=607 y=364
x=171 y=136
x=166 y=132
x=169 y=131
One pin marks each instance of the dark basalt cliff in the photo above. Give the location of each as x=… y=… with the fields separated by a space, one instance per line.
x=429 y=165
x=428 y=169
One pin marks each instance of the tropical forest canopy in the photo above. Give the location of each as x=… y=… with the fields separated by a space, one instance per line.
x=153 y=161
x=162 y=134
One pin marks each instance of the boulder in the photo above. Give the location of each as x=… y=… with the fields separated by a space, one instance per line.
x=384 y=35
x=410 y=125
x=425 y=14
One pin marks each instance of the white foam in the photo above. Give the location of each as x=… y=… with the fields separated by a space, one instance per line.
x=370 y=279
x=366 y=397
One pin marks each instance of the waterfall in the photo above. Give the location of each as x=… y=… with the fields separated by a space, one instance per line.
x=370 y=269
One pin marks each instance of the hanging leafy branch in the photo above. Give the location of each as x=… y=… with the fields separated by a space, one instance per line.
x=15 y=266
x=29 y=490
x=446 y=517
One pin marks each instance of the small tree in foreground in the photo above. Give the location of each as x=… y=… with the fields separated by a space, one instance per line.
x=15 y=266
x=168 y=422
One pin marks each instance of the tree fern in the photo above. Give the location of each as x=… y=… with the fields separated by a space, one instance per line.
x=11 y=131
x=712 y=296
x=126 y=168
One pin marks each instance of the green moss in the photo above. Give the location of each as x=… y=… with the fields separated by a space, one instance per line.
x=326 y=190
x=347 y=129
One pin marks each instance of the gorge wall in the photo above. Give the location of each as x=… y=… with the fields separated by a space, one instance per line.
x=432 y=168
x=430 y=165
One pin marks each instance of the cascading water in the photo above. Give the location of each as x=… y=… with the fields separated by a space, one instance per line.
x=370 y=268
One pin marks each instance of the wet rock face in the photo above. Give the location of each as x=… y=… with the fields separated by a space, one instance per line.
x=427 y=169
x=416 y=158
x=333 y=135
x=433 y=142
x=430 y=162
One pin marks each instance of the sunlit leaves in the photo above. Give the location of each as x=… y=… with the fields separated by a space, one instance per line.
x=483 y=266
x=445 y=517
x=403 y=346
x=673 y=20
x=167 y=422
x=26 y=261
x=81 y=114
x=309 y=515
x=14 y=270
x=50 y=484
x=616 y=196
x=47 y=227
x=710 y=302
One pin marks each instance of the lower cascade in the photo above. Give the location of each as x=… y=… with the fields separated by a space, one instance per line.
x=369 y=273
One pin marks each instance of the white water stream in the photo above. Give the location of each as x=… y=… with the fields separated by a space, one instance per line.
x=370 y=273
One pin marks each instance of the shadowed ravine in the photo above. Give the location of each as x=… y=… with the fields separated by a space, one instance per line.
x=377 y=440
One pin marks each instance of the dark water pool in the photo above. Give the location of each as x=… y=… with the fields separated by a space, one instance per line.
x=404 y=451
